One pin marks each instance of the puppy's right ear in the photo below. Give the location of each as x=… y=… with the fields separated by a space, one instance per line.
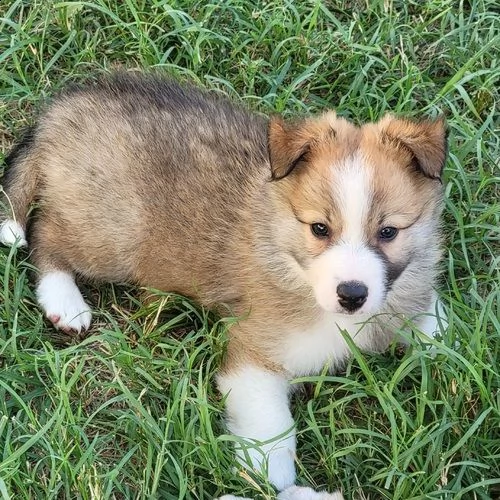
x=289 y=144
x=426 y=140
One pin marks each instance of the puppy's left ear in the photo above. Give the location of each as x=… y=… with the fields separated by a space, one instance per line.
x=288 y=144
x=426 y=140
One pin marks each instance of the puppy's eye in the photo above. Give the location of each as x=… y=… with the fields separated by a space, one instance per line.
x=388 y=233
x=320 y=230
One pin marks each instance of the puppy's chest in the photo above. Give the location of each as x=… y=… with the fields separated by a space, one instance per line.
x=306 y=351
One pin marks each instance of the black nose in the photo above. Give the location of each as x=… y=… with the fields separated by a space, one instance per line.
x=352 y=295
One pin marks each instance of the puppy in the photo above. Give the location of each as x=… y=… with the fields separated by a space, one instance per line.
x=304 y=228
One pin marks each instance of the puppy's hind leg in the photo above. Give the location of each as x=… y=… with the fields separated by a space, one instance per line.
x=12 y=232
x=56 y=291
x=20 y=185
x=62 y=301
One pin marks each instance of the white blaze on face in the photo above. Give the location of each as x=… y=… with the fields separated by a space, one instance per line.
x=350 y=259
x=352 y=189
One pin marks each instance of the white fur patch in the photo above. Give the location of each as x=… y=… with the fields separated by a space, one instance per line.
x=62 y=302
x=350 y=259
x=232 y=497
x=343 y=263
x=352 y=191
x=12 y=232
x=296 y=493
x=258 y=411
x=303 y=493
x=307 y=352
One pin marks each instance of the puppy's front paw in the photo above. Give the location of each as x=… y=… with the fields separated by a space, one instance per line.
x=232 y=497
x=63 y=303
x=303 y=493
x=257 y=407
x=275 y=461
x=281 y=467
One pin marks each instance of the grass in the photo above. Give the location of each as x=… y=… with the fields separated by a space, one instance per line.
x=131 y=411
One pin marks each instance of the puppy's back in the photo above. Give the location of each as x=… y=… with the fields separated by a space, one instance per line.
x=144 y=179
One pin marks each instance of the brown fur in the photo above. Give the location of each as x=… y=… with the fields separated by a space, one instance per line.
x=168 y=187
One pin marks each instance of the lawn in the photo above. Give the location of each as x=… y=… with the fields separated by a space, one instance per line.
x=131 y=411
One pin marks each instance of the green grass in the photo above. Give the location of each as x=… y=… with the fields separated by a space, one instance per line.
x=131 y=411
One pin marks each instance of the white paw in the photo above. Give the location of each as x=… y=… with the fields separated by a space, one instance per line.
x=303 y=493
x=62 y=302
x=295 y=493
x=12 y=232
x=276 y=463
x=232 y=497
x=281 y=466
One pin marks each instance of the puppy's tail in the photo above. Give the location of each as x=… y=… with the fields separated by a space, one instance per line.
x=18 y=190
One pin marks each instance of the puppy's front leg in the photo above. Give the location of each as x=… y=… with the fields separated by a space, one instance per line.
x=258 y=410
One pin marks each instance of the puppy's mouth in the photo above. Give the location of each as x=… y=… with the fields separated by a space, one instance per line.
x=360 y=312
x=346 y=312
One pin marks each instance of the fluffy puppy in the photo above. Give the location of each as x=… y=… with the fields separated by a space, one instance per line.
x=304 y=228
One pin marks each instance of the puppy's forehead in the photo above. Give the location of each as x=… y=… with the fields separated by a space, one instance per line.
x=354 y=176
x=352 y=190
x=347 y=148
x=370 y=184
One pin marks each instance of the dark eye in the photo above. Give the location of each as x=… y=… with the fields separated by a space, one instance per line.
x=388 y=233
x=320 y=230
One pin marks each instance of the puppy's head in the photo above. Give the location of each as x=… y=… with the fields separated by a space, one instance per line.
x=358 y=206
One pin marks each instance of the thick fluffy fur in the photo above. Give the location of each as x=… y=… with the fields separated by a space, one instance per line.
x=141 y=179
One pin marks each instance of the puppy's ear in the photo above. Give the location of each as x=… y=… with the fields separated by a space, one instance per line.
x=289 y=144
x=426 y=140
